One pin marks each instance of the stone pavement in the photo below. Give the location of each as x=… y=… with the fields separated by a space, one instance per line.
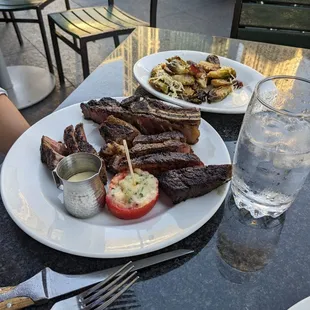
x=210 y=17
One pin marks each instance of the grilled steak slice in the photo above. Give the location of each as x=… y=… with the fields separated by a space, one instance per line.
x=144 y=105
x=191 y=182
x=158 y=163
x=152 y=116
x=159 y=138
x=52 y=152
x=147 y=115
x=69 y=139
x=115 y=129
x=81 y=140
x=166 y=146
x=100 y=110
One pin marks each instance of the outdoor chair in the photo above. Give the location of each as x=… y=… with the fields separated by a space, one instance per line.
x=11 y=6
x=273 y=21
x=91 y=24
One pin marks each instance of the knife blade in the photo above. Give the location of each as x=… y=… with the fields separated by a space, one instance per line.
x=48 y=284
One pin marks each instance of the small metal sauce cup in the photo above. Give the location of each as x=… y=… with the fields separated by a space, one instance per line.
x=84 y=198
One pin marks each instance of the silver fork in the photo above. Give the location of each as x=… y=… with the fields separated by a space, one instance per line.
x=103 y=294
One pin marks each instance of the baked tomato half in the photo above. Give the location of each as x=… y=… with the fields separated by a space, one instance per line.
x=128 y=199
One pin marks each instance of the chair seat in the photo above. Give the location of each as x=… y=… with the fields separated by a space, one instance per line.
x=93 y=21
x=19 y=5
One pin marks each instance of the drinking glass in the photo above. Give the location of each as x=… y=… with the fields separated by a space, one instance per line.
x=272 y=159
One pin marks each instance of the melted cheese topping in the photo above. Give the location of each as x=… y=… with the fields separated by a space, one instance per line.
x=175 y=87
x=137 y=195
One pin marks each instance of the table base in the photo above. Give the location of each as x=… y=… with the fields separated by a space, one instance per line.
x=30 y=85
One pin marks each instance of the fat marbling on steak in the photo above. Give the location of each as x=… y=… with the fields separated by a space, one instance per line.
x=159 y=138
x=157 y=163
x=52 y=152
x=149 y=116
x=191 y=182
x=166 y=146
x=115 y=129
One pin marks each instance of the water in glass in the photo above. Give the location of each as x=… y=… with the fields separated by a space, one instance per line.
x=272 y=160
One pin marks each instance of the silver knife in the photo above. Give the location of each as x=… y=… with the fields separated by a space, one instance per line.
x=48 y=284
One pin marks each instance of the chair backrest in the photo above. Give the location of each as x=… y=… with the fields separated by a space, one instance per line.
x=273 y=21
x=153 y=11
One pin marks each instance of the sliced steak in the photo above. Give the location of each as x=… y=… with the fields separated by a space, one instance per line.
x=159 y=138
x=115 y=129
x=158 y=163
x=52 y=152
x=191 y=182
x=100 y=110
x=81 y=140
x=69 y=139
x=166 y=146
x=152 y=116
x=149 y=116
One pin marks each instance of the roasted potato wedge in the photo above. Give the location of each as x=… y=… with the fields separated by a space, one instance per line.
x=220 y=82
x=223 y=73
x=207 y=66
x=219 y=93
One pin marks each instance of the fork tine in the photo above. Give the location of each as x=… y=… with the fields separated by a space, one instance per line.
x=118 y=294
x=100 y=284
x=109 y=293
x=90 y=298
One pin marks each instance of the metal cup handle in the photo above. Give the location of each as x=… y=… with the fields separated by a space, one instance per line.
x=57 y=180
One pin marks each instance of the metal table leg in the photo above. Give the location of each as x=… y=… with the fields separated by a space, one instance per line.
x=26 y=85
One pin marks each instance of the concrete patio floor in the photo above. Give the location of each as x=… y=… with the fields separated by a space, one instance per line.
x=210 y=17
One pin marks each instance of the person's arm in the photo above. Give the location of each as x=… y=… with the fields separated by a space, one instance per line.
x=12 y=124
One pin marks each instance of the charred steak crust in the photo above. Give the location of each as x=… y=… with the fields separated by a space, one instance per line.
x=159 y=138
x=81 y=140
x=191 y=182
x=166 y=146
x=159 y=163
x=69 y=139
x=115 y=129
x=150 y=116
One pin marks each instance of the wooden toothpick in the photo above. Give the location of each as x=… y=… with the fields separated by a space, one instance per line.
x=129 y=162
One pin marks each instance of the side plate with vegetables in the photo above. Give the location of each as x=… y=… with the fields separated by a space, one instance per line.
x=236 y=97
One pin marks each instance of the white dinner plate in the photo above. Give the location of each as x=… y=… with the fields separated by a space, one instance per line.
x=235 y=103
x=36 y=205
x=302 y=305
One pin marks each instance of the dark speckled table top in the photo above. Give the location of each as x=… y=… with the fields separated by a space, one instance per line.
x=234 y=266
